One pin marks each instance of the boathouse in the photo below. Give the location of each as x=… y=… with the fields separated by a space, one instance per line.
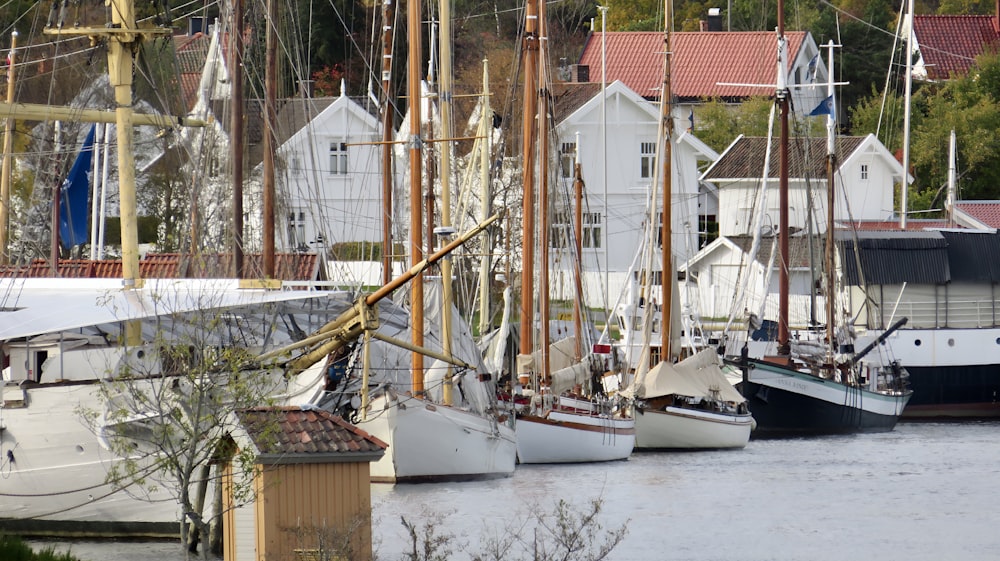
x=308 y=495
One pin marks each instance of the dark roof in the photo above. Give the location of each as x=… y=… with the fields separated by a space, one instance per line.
x=567 y=97
x=798 y=249
x=894 y=258
x=973 y=256
x=288 y=266
x=949 y=45
x=297 y=435
x=701 y=61
x=745 y=157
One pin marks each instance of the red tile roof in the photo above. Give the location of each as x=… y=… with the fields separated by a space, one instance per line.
x=294 y=431
x=893 y=225
x=701 y=61
x=949 y=45
x=987 y=212
x=288 y=266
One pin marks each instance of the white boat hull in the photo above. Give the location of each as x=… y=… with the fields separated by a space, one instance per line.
x=429 y=442
x=571 y=437
x=54 y=469
x=682 y=428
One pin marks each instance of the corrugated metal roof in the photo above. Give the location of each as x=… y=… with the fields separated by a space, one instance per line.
x=949 y=45
x=700 y=62
x=973 y=256
x=895 y=258
x=744 y=159
x=293 y=431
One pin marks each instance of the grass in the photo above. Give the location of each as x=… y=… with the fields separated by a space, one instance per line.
x=13 y=549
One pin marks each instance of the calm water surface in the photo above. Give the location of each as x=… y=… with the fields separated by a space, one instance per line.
x=925 y=491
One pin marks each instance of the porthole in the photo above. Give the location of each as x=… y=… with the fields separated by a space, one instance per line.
x=917 y=342
x=951 y=342
x=79 y=449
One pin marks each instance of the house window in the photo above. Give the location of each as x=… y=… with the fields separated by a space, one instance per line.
x=864 y=171
x=297 y=229
x=567 y=159
x=296 y=165
x=338 y=158
x=647 y=159
x=561 y=231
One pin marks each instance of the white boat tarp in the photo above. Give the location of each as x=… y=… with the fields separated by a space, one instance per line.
x=31 y=307
x=696 y=376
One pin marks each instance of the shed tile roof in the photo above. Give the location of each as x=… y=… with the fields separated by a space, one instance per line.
x=294 y=431
x=745 y=157
x=949 y=45
x=798 y=249
x=567 y=97
x=701 y=60
x=987 y=212
x=893 y=225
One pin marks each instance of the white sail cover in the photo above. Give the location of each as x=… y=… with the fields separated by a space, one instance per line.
x=696 y=376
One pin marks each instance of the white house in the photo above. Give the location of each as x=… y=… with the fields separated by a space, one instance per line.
x=864 y=183
x=719 y=280
x=615 y=138
x=331 y=172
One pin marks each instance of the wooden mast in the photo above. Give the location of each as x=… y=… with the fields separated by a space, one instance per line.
x=236 y=134
x=387 y=33
x=444 y=103
x=415 y=146
x=782 y=94
x=543 y=196
x=666 y=217
x=831 y=166
x=530 y=55
x=270 y=100
x=8 y=141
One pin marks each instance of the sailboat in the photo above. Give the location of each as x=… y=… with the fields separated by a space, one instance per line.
x=63 y=338
x=690 y=404
x=837 y=389
x=560 y=422
x=443 y=422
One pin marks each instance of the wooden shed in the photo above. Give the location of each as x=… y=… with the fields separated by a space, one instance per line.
x=311 y=495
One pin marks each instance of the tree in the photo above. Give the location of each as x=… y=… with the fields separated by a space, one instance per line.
x=718 y=123
x=969 y=106
x=167 y=402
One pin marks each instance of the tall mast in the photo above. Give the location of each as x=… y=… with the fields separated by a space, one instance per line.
x=831 y=165
x=236 y=134
x=530 y=54
x=578 y=248
x=270 y=100
x=667 y=120
x=543 y=192
x=485 y=133
x=387 y=249
x=8 y=141
x=415 y=145
x=908 y=91
x=782 y=94
x=444 y=102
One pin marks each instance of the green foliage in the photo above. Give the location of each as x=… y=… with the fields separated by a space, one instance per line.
x=13 y=549
x=718 y=124
x=969 y=106
x=867 y=116
x=167 y=406
x=633 y=15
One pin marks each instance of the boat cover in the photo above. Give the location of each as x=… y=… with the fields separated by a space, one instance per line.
x=696 y=376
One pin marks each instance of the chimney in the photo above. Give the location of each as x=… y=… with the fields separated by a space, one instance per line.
x=196 y=24
x=715 y=19
x=579 y=73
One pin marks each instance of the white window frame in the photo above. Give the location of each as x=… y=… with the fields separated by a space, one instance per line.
x=567 y=160
x=647 y=159
x=338 y=157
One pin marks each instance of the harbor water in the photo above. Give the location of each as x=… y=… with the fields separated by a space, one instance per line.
x=926 y=491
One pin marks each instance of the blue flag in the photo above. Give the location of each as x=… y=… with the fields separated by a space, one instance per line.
x=73 y=197
x=825 y=107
